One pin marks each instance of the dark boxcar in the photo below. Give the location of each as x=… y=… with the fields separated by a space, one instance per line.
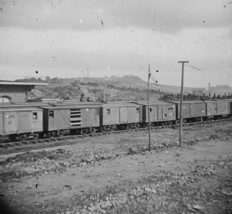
x=56 y=118
x=16 y=119
x=211 y=107
x=185 y=110
x=115 y=113
x=191 y=109
x=230 y=106
x=218 y=107
x=71 y=116
x=198 y=109
x=222 y=107
x=159 y=111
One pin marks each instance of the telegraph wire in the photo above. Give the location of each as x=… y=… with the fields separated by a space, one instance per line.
x=194 y=67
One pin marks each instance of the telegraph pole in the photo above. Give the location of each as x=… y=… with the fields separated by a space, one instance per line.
x=148 y=106
x=181 y=101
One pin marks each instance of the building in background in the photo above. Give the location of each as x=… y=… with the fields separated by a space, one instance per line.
x=199 y=92
x=15 y=92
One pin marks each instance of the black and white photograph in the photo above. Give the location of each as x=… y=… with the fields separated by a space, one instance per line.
x=116 y=106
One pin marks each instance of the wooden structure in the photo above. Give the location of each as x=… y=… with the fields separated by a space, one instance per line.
x=15 y=92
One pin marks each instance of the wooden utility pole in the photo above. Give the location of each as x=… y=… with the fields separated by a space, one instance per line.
x=148 y=111
x=181 y=101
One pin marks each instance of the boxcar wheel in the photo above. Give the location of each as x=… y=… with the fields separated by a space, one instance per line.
x=62 y=132
x=41 y=135
x=23 y=137
x=36 y=136
x=12 y=137
x=57 y=134
x=51 y=134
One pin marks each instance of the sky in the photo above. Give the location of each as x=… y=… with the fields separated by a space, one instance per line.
x=97 y=38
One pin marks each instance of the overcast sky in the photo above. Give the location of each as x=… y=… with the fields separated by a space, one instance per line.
x=71 y=38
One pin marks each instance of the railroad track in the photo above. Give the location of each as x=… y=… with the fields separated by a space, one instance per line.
x=56 y=140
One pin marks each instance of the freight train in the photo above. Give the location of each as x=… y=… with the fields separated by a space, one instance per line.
x=36 y=120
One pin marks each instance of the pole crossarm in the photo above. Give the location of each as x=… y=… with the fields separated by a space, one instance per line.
x=183 y=61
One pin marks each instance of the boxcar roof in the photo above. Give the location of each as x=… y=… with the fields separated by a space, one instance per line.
x=25 y=104
x=20 y=109
x=70 y=107
x=211 y=101
x=76 y=104
x=120 y=104
x=158 y=102
x=188 y=101
x=224 y=100
x=218 y=101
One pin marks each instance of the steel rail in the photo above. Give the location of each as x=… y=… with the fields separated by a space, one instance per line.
x=56 y=140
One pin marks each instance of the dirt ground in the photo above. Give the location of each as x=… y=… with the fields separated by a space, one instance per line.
x=116 y=174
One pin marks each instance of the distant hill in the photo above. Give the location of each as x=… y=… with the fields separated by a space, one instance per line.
x=221 y=89
x=128 y=87
x=129 y=80
x=217 y=90
x=136 y=82
x=176 y=89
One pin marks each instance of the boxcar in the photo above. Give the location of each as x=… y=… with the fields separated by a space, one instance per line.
x=211 y=108
x=159 y=111
x=217 y=108
x=120 y=114
x=20 y=120
x=222 y=107
x=191 y=109
x=77 y=117
x=230 y=106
